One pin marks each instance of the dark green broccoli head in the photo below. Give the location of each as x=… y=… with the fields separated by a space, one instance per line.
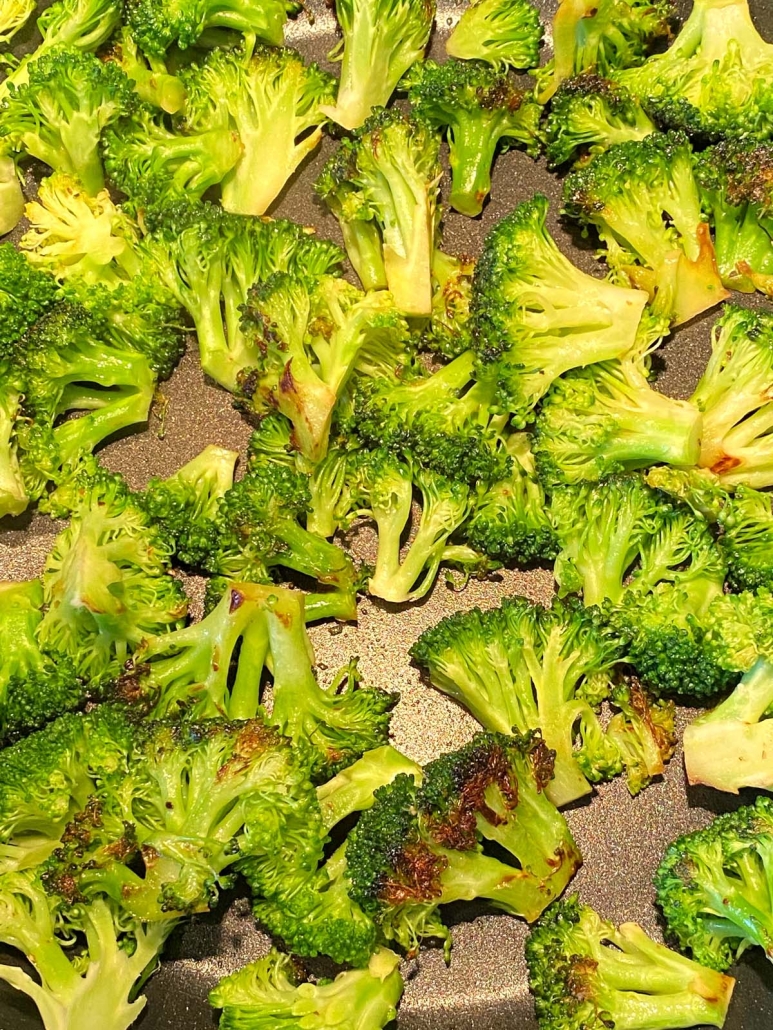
x=501 y=32
x=25 y=295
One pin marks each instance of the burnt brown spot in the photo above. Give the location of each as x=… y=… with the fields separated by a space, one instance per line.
x=458 y=829
x=237 y=600
x=416 y=876
x=725 y=464
x=580 y=979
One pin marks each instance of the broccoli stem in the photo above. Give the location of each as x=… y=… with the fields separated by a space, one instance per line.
x=334 y=604
x=13 y=493
x=472 y=875
x=739 y=239
x=367 y=76
x=80 y=138
x=120 y=410
x=362 y=240
x=352 y=790
x=473 y=146
x=313 y=556
x=11 y=196
x=244 y=702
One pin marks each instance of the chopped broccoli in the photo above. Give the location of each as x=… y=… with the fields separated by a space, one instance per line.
x=58 y=116
x=270 y=990
x=419 y=848
x=448 y=333
x=13 y=16
x=152 y=81
x=311 y=336
x=731 y=747
x=481 y=111
x=643 y=199
x=602 y=37
x=588 y=115
x=522 y=667
x=380 y=40
x=157 y=24
x=736 y=180
x=502 y=32
x=388 y=174
x=273 y=104
x=606 y=418
x=535 y=315
x=105 y=582
x=587 y=974
x=714 y=886
x=510 y=521
x=714 y=80
x=733 y=397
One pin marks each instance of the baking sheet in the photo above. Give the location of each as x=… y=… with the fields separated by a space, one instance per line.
x=622 y=839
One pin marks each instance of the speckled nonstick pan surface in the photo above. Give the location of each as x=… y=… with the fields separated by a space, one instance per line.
x=622 y=839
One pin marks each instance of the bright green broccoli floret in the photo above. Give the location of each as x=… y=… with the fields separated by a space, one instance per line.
x=736 y=183
x=380 y=41
x=269 y=990
x=150 y=76
x=535 y=315
x=602 y=38
x=714 y=886
x=388 y=175
x=502 y=32
x=25 y=295
x=643 y=199
x=482 y=111
x=733 y=397
x=157 y=24
x=522 y=667
x=273 y=104
x=59 y=115
x=510 y=520
x=420 y=847
x=715 y=77
x=588 y=115
x=605 y=419
x=587 y=974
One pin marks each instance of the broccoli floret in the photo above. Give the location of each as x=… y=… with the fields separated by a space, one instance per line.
x=736 y=183
x=587 y=974
x=482 y=111
x=602 y=37
x=738 y=629
x=270 y=990
x=525 y=667
x=94 y=986
x=146 y=160
x=380 y=41
x=157 y=25
x=25 y=295
x=208 y=260
x=448 y=333
x=535 y=315
x=605 y=419
x=510 y=520
x=311 y=336
x=733 y=397
x=105 y=582
x=185 y=505
x=150 y=76
x=714 y=79
x=731 y=747
x=643 y=199
x=388 y=174
x=443 y=421
x=644 y=732
x=588 y=115
x=13 y=16
x=419 y=848
x=699 y=489
x=713 y=886
x=59 y=115
x=502 y=32
x=34 y=687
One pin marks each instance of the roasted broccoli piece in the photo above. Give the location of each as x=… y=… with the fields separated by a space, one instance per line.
x=273 y=105
x=387 y=175
x=602 y=38
x=535 y=315
x=448 y=333
x=59 y=114
x=380 y=40
x=157 y=25
x=208 y=260
x=733 y=397
x=643 y=199
x=714 y=80
x=419 y=848
x=605 y=419
x=713 y=886
x=586 y=974
x=25 y=295
x=14 y=495
x=145 y=159
x=481 y=111
x=311 y=337
x=510 y=520
x=588 y=115
x=505 y=33
x=736 y=183
x=152 y=81
x=13 y=16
